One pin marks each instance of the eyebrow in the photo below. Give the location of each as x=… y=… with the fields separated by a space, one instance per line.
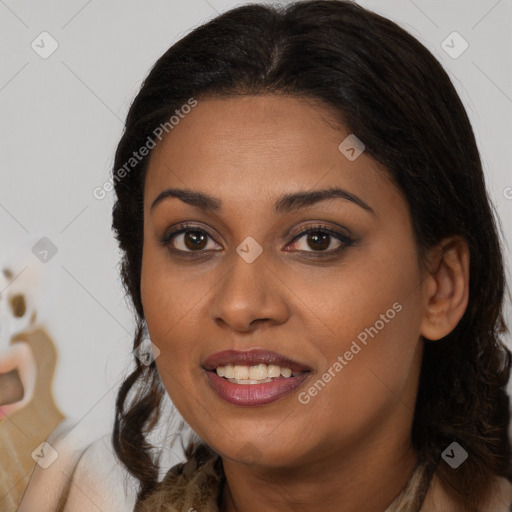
x=285 y=204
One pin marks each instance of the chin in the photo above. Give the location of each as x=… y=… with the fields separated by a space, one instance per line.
x=253 y=448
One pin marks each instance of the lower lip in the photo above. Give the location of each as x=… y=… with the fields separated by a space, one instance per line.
x=254 y=394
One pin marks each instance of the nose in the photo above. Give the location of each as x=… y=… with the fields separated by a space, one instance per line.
x=249 y=294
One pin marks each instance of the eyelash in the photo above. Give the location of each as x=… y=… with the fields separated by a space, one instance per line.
x=166 y=240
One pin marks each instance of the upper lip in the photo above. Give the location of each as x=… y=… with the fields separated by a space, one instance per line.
x=251 y=357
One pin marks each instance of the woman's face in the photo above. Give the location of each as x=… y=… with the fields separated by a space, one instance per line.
x=345 y=307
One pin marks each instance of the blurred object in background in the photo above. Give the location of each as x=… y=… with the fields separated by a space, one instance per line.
x=28 y=412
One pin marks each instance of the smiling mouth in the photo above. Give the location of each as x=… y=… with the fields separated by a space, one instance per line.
x=253 y=377
x=256 y=374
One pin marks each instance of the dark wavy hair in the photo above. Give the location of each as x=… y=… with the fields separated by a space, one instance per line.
x=387 y=88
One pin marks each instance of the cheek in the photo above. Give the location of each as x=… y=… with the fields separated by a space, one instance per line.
x=379 y=366
x=169 y=296
x=372 y=321
x=172 y=324
x=174 y=302
x=364 y=292
x=172 y=319
x=369 y=373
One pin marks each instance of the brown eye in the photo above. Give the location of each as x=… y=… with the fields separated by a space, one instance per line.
x=318 y=241
x=194 y=240
x=321 y=239
x=188 y=240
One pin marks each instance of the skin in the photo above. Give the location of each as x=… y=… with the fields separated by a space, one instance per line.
x=354 y=435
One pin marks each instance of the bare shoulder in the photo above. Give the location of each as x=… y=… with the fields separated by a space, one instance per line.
x=98 y=480
x=438 y=500
x=82 y=475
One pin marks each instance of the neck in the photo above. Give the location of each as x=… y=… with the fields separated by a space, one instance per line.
x=367 y=478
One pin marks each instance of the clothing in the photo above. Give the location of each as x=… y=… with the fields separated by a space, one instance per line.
x=197 y=484
x=87 y=471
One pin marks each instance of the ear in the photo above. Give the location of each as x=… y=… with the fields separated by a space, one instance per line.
x=446 y=288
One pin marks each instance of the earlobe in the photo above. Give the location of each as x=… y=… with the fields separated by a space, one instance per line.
x=446 y=288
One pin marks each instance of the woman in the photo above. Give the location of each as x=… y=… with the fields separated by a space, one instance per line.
x=308 y=243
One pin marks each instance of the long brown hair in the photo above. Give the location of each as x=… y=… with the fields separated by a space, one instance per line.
x=386 y=87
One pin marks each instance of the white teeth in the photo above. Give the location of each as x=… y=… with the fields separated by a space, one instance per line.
x=241 y=372
x=256 y=374
x=249 y=381
x=286 y=372
x=273 y=370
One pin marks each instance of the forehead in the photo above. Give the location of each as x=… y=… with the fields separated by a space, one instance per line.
x=252 y=148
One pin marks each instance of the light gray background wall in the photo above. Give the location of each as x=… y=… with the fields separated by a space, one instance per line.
x=61 y=118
